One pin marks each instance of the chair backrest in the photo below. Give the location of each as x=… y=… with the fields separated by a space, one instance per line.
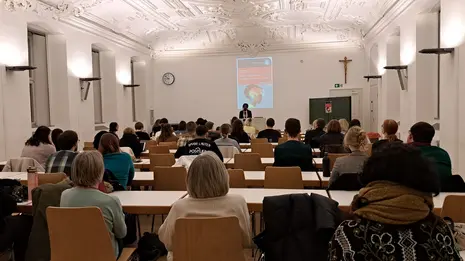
x=346 y=181
x=151 y=143
x=332 y=158
x=228 y=151
x=129 y=151
x=208 y=239
x=172 y=145
x=454 y=207
x=169 y=178
x=159 y=149
x=264 y=149
x=88 y=144
x=282 y=140
x=259 y=140
x=166 y=160
x=236 y=178
x=248 y=162
x=21 y=165
x=283 y=178
x=50 y=178
x=73 y=230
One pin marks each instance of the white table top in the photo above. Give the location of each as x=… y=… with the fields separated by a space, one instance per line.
x=260 y=175
x=343 y=197
x=143 y=175
x=439 y=199
x=256 y=195
x=264 y=160
x=148 y=198
x=10 y=175
x=318 y=160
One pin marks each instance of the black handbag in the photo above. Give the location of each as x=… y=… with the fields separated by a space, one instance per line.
x=150 y=247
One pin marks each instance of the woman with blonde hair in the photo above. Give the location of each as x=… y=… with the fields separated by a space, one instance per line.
x=208 y=186
x=356 y=141
x=344 y=125
x=390 y=128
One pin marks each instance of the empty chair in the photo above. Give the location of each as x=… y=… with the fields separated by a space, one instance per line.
x=259 y=140
x=159 y=149
x=51 y=178
x=282 y=140
x=21 y=165
x=248 y=162
x=283 y=178
x=78 y=234
x=88 y=145
x=166 y=160
x=333 y=156
x=171 y=145
x=347 y=181
x=228 y=151
x=208 y=239
x=236 y=178
x=169 y=178
x=454 y=207
x=264 y=149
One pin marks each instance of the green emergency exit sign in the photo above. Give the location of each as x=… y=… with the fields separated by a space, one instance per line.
x=338 y=85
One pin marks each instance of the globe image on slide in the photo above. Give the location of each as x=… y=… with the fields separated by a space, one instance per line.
x=254 y=94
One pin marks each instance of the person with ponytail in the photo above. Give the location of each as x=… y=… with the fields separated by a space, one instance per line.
x=356 y=140
x=390 y=128
x=224 y=140
x=39 y=146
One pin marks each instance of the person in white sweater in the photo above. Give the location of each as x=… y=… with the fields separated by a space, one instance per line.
x=208 y=187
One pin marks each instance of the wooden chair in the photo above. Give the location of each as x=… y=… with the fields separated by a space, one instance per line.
x=264 y=149
x=283 y=178
x=332 y=158
x=78 y=234
x=248 y=162
x=171 y=145
x=169 y=178
x=259 y=140
x=454 y=207
x=166 y=160
x=159 y=150
x=208 y=239
x=88 y=146
x=236 y=178
x=50 y=178
x=282 y=140
x=151 y=143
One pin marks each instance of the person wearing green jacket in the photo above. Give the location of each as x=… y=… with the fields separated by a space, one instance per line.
x=421 y=135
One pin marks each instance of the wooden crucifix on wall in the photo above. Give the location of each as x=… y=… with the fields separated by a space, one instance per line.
x=346 y=62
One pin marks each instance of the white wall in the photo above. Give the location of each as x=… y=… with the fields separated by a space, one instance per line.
x=69 y=57
x=206 y=86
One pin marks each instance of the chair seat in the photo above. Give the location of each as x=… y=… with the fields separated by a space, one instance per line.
x=126 y=254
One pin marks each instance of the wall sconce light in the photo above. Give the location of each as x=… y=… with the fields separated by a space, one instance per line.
x=131 y=85
x=402 y=73
x=368 y=77
x=85 y=86
x=20 y=68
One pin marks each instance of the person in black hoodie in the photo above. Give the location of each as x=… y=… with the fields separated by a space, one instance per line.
x=131 y=140
x=140 y=131
x=199 y=145
x=312 y=137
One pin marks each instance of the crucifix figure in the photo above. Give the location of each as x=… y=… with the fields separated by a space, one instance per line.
x=346 y=62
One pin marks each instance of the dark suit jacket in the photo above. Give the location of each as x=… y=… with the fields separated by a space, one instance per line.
x=241 y=114
x=294 y=154
x=312 y=137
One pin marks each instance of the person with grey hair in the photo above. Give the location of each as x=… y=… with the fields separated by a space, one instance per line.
x=86 y=174
x=208 y=186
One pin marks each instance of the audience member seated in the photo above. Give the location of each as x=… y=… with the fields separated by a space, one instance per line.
x=293 y=153
x=355 y=122
x=269 y=133
x=224 y=140
x=312 y=137
x=201 y=121
x=141 y=134
x=355 y=140
x=131 y=140
x=344 y=125
x=249 y=129
x=421 y=136
x=393 y=218
x=238 y=132
x=114 y=127
x=233 y=120
x=62 y=160
x=212 y=135
x=167 y=134
x=331 y=142
x=39 y=147
x=389 y=129
x=199 y=145
x=97 y=138
x=189 y=135
x=87 y=174
x=156 y=127
x=208 y=187
x=55 y=134
x=182 y=126
x=162 y=122
x=119 y=163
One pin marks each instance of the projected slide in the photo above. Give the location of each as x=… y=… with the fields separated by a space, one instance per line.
x=255 y=82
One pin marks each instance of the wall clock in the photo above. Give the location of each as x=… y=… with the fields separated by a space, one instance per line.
x=168 y=78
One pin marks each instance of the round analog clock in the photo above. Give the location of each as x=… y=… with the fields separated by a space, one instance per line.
x=168 y=78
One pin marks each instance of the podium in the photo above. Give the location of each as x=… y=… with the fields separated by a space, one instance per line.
x=259 y=123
